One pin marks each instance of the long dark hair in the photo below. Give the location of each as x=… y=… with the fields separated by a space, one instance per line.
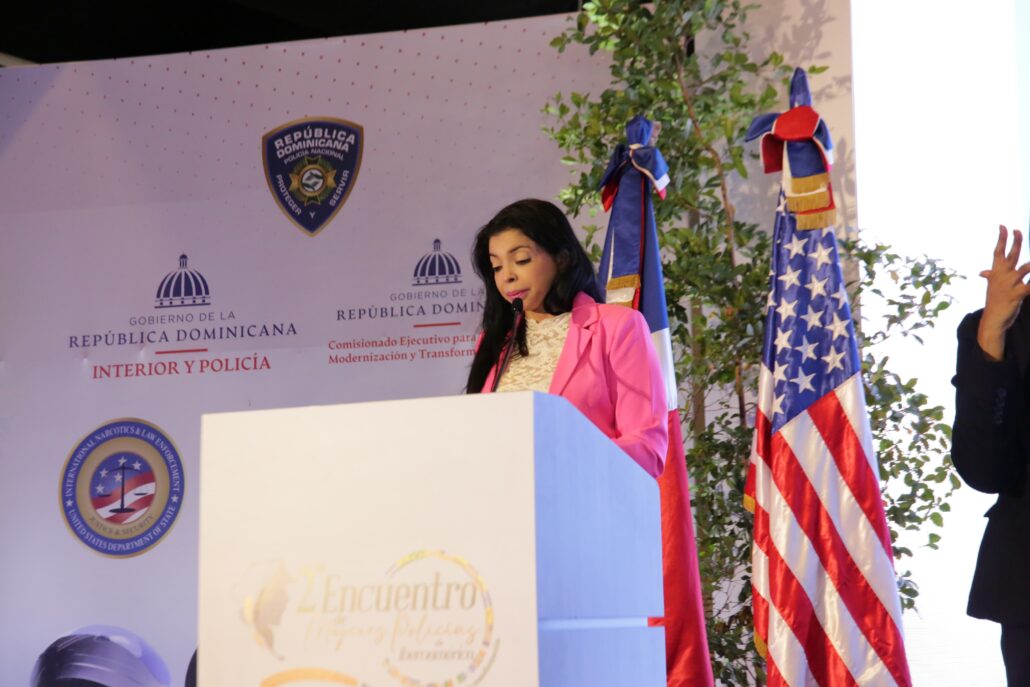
x=548 y=227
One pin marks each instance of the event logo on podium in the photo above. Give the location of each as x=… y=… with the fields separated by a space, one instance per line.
x=311 y=166
x=428 y=621
x=122 y=487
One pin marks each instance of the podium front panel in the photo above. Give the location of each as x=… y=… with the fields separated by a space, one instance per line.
x=470 y=540
x=368 y=544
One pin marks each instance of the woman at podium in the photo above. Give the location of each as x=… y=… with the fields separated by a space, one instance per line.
x=543 y=330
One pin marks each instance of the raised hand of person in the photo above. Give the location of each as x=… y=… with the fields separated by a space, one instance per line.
x=1006 y=290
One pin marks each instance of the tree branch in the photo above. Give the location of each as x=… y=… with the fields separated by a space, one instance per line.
x=724 y=190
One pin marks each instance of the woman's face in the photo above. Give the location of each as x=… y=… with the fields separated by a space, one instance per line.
x=522 y=269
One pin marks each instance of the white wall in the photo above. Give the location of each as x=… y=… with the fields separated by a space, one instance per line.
x=936 y=119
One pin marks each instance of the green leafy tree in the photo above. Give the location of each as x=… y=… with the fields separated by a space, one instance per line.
x=716 y=278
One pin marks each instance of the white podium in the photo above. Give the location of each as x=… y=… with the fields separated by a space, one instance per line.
x=468 y=540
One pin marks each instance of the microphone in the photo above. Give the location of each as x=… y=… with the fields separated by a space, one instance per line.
x=502 y=364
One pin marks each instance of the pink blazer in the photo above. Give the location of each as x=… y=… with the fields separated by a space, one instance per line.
x=608 y=369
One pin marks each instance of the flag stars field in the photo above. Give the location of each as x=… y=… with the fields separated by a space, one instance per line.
x=812 y=319
x=816 y=287
x=797 y=246
x=838 y=326
x=823 y=255
x=841 y=296
x=806 y=279
x=790 y=278
x=807 y=349
x=783 y=338
x=833 y=360
x=786 y=309
x=803 y=381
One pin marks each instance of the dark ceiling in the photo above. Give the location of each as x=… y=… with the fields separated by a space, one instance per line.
x=42 y=32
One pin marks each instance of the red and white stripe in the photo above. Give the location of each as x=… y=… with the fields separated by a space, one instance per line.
x=139 y=494
x=825 y=598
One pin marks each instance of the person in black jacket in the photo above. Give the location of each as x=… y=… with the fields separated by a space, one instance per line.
x=991 y=448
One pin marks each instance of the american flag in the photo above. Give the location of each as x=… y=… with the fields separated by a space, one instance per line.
x=825 y=600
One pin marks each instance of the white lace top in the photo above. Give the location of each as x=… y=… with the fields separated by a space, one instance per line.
x=533 y=372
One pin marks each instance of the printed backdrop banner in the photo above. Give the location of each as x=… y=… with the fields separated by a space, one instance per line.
x=278 y=225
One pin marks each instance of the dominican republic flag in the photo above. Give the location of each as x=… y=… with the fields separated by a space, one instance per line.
x=825 y=600
x=631 y=274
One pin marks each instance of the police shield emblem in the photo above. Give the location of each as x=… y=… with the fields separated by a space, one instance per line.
x=311 y=166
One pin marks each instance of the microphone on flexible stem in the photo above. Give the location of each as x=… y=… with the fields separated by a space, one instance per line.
x=520 y=314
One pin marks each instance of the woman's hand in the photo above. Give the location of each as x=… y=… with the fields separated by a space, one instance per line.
x=1005 y=293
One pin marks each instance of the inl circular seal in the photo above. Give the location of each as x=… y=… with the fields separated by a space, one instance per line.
x=122 y=487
